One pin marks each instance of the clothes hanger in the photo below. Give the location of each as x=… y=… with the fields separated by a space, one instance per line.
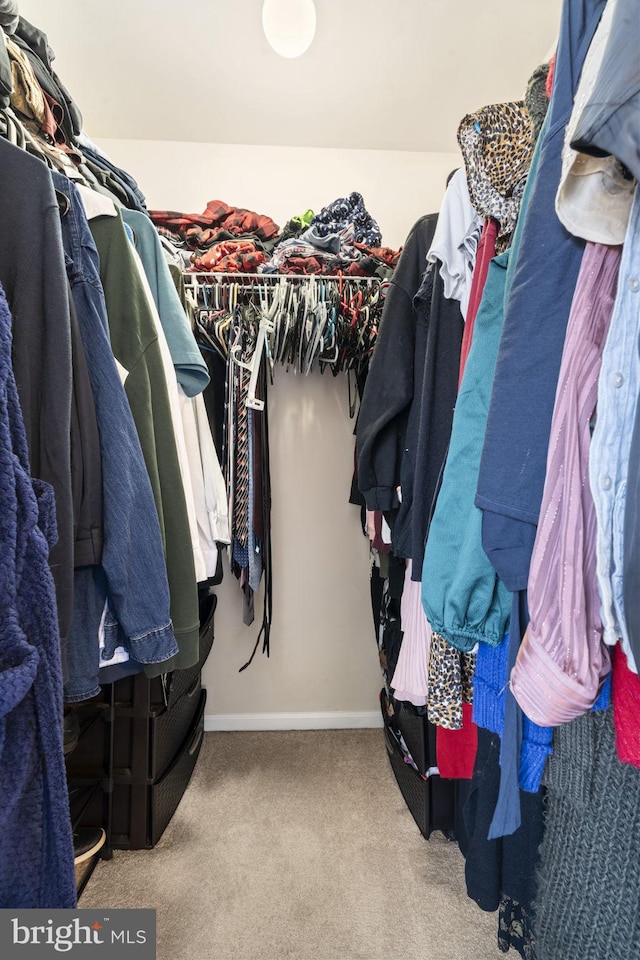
x=271 y=301
x=276 y=313
x=294 y=315
x=265 y=326
x=222 y=328
x=329 y=342
x=319 y=326
x=205 y=341
x=289 y=317
x=329 y=349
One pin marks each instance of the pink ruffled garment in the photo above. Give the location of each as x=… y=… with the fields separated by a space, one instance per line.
x=562 y=660
x=409 y=680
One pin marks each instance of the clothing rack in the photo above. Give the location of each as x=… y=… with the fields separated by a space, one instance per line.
x=297 y=320
x=253 y=322
x=192 y=275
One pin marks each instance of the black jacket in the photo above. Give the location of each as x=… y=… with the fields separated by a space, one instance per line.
x=33 y=275
x=389 y=390
x=442 y=326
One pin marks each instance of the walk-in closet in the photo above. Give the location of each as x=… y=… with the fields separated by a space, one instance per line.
x=320 y=479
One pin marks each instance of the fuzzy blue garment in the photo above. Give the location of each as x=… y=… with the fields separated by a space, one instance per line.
x=489 y=697
x=36 y=844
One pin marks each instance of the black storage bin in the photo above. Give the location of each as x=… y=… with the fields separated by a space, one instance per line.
x=146 y=735
x=415 y=730
x=168 y=730
x=142 y=807
x=167 y=792
x=431 y=800
x=144 y=753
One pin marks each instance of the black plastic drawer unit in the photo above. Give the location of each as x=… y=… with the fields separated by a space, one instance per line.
x=431 y=799
x=143 y=806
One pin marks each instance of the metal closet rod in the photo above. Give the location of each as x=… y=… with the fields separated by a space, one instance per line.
x=279 y=276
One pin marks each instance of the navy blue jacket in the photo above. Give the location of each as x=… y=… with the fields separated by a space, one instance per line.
x=36 y=846
x=546 y=260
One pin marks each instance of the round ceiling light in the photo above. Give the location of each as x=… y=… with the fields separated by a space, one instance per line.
x=289 y=25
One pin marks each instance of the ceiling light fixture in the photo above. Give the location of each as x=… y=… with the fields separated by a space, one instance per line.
x=289 y=25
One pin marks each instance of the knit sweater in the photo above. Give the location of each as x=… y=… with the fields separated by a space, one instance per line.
x=590 y=858
x=489 y=695
x=36 y=847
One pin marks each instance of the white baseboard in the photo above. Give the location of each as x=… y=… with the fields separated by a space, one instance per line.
x=293 y=721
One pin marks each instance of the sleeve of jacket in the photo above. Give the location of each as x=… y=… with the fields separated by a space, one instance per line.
x=388 y=393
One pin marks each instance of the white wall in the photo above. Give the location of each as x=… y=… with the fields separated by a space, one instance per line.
x=324 y=659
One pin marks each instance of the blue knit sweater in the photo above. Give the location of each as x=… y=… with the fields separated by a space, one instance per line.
x=36 y=845
x=489 y=695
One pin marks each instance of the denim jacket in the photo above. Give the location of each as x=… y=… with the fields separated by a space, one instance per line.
x=133 y=576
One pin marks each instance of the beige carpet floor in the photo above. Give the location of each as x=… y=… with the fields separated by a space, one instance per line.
x=298 y=846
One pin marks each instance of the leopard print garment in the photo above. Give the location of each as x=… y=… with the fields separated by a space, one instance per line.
x=497 y=146
x=450 y=683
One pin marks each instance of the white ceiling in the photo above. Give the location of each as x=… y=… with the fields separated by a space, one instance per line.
x=381 y=74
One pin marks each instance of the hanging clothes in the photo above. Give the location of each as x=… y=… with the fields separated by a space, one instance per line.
x=36 y=290
x=617 y=401
x=587 y=901
x=455 y=241
x=437 y=397
x=537 y=305
x=391 y=381
x=497 y=143
x=485 y=254
x=595 y=193
x=561 y=662
x=131 y=533
x=36 y=849
x=608 y=122
x=136 y=349
x=410 y=680
x=191 y=370
x=463 y=599
x=626 y=708
x=631 y=539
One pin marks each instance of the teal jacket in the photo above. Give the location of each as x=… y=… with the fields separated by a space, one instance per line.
x=463 y=598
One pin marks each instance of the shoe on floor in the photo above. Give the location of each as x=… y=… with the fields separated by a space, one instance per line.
x=87 y=841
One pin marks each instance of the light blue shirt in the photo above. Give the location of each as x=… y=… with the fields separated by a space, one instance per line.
x=611 y=441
